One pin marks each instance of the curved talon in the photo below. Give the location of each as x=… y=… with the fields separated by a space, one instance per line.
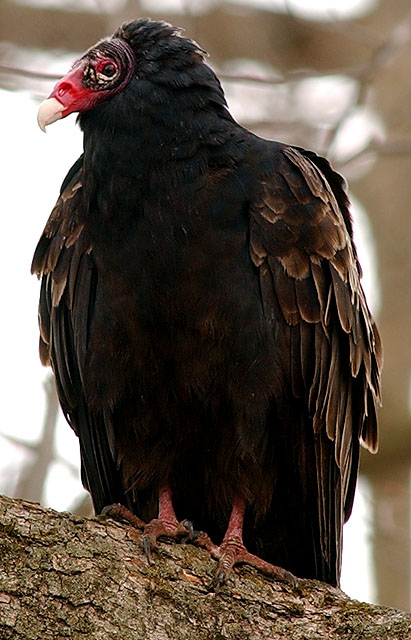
x=193 y=534
x=109 y=508
x=290 y=578
x=147 y=549
x=218 y=581
x=190 y=528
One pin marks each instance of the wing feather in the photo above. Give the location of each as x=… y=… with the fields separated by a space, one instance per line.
x=307 y=301
x=285 y=291
x=64 y=261
x=301 y=235
x=342 y=297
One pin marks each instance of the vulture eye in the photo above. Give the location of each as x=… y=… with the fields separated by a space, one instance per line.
x=108 y=70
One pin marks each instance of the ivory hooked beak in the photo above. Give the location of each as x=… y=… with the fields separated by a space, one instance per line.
x=49 y=111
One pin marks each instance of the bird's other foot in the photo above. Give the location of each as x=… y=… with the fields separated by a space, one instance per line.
x=232 y=552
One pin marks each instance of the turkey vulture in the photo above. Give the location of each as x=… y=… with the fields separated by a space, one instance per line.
x=202 y=311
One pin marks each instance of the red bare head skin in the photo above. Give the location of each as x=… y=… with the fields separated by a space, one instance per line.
x=72 y=94
x=101 y=72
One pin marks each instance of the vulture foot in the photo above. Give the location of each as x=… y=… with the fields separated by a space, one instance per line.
x=232 y=552
x=166 y=523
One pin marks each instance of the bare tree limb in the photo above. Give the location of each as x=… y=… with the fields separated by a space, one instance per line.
x=381 y=57
x=64 y=576
x=28 y=73
x=390 y=147
x=33 y=474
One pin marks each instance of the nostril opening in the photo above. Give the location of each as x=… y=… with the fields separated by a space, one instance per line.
x=63 y=88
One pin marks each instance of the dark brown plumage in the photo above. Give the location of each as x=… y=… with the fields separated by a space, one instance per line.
x=202 y=310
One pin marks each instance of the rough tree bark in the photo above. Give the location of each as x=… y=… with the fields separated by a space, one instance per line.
x=69 y=577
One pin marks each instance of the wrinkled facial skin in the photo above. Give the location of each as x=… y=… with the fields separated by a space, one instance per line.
x=101 y=72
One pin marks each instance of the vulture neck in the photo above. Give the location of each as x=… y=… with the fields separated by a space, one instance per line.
x=153 y=138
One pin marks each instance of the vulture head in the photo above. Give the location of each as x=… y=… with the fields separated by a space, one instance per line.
x=138 y=52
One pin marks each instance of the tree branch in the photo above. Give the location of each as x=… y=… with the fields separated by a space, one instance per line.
x=381 y=57
x=64 y=576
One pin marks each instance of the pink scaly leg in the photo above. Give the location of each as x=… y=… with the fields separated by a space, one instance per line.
x=166 y=523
